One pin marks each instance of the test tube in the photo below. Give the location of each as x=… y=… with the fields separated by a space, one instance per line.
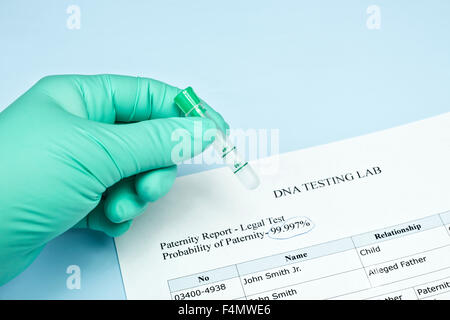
x=191 y=105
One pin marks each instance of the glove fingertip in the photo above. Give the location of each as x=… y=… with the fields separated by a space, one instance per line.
x=119 y=229
x=153 y=185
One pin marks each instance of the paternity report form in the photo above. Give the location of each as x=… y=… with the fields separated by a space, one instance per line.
x=363 y=218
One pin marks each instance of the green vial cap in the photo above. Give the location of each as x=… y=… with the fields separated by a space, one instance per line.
x=188 y=101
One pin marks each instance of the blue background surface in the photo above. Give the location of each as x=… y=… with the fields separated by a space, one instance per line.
x=311 y=69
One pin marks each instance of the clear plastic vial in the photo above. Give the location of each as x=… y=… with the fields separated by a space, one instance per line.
x=191 y=106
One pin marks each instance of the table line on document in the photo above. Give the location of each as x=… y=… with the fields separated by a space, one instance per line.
x=240 y=281
x=430 y=296
x=416 y=276
x=300 y=262
x=272 y=255
x=446 y=229
x=385 y=284
x=170 y=289
x=289 y=264
x=363 y=268
x=415 y=286
x=393 y=226
x=307 y=281
x=403 y=257
x=209 y=283
x=362 y=264
x=415 y=293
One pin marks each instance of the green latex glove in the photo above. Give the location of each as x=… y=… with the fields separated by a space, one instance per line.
x=85 y=151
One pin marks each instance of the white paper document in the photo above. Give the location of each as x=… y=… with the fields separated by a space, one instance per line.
x=363 y=218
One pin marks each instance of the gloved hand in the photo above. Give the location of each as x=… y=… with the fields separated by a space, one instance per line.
x=85 y=151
